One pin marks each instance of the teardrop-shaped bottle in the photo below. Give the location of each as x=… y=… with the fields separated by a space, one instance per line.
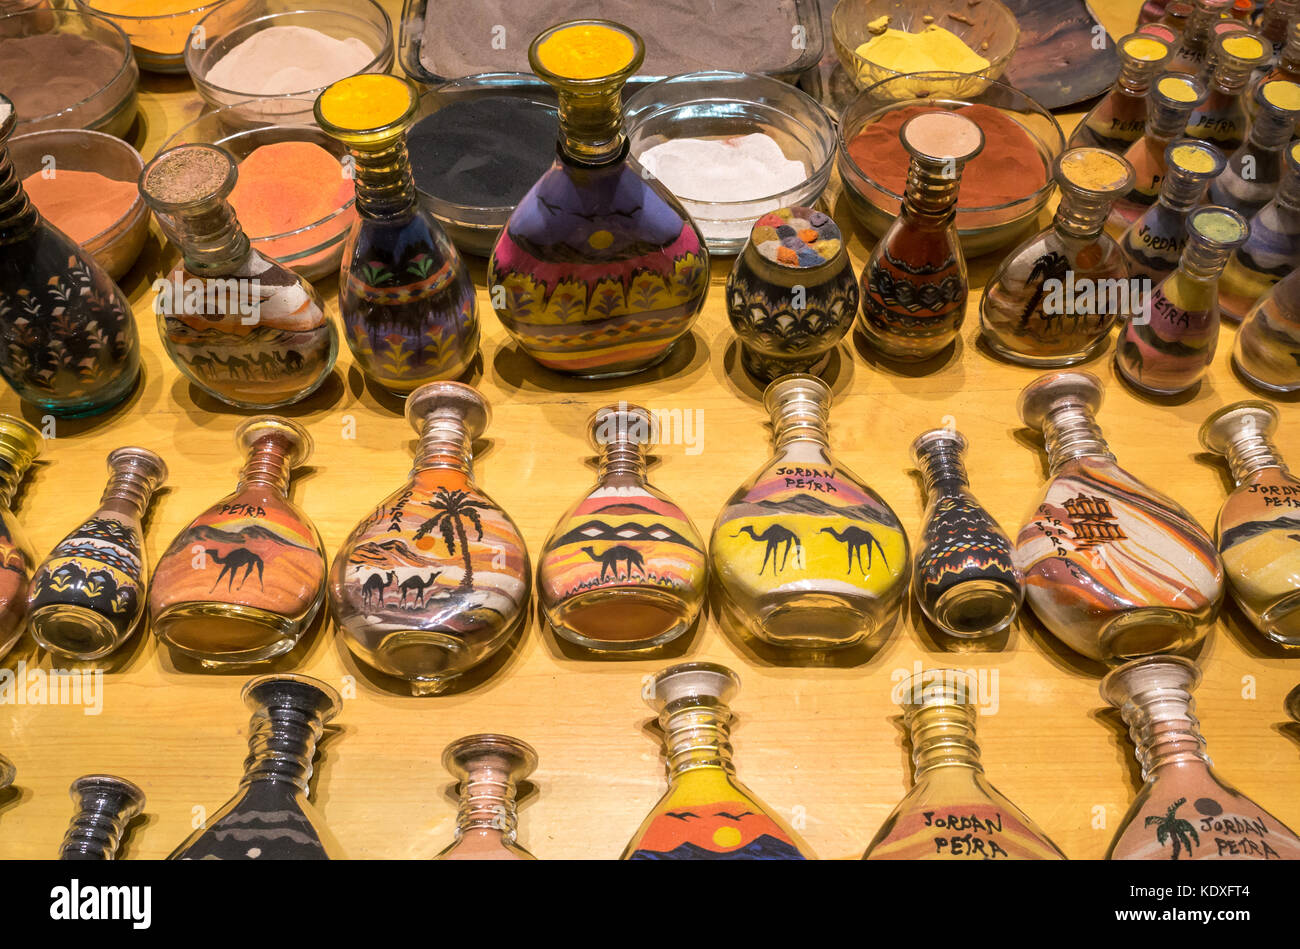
x=243 y=581
x=405 y=296
x=1114 y=568
x=964 y=576
x=1267 y=350
x=488 y=769
x=437 y=578
x=624 y=568
x=804 y=554
x=70 y=340
x=105 y=805
x=20 y=444
x=1117 y=121
x=1258 y=530
x=243 y=328
x=706 y=814
x=1221 y=119
x=1271 y=252
x=1257 y=167
x=1194 y=45
x=952 y=811
x=88 y=596
x=270 y=817
x=1185 y=811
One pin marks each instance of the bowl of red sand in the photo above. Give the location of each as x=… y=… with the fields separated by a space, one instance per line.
x=294 y=194
x=1003 y=189
x=84 y=183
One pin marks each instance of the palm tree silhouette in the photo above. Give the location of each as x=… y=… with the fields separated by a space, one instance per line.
x=454 y=509
x=1051 y=266
x=1173 y=827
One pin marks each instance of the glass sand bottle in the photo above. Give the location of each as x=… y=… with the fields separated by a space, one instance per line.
x=405 y=296
x=1221 y=119
x=1271 y=251
x=1257 y=529
x=1267 y=351
x=599 y=271
x=105 y=805
x=1114 y=569
x=915 y=284
x=244 y=580
x=624 y=568
x=1257 y=168
x=437 y=578
x=1117 y=121
x=952 y=811
x=1194 y=45
x=20 y=444
x=804 y=554
x=964 y=575
x=1185 y=811
x=7 y=773
x=88 y=596
x=1029 y=313
x=270 y=817
x=488 y=769
x=706 y=814
x=241 y=327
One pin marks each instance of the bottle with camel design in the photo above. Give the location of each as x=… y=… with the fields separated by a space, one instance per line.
x=20 y=444
x=88 y=596
x=706 y=813
x=805 y=555
x=488 y=769
x=952 y=811
x=624 y=568
x=1113 y=568
x=241 y=327
x=1184 y=811
x=244 y=580
x=436 y=578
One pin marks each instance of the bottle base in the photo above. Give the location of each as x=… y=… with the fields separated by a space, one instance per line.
x=226 y=634
x=766 y=368
x=1281 y=621
x=920 y=352
x=621 y=620
x=616 y=372
x=975 y=609
x=1149 y=632
x=815 y=622
x=1256 y=381
x=83 y=408
x=1146 y=389
x=1043 y=362
x=74 y=631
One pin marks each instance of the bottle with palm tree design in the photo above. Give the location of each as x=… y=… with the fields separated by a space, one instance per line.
x=804 y=554
x=1185 y=811
x=488 y=769
x=244 y=580
x=20 y=443
x=437 y=578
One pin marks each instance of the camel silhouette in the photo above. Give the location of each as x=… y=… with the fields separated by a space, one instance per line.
x=854 y=539
x=774 y=535
x=231 y=564
x=611 y=558
x=204 y=365
x=375 y=585
x=416 y=586
x=291 y=359
x=237 y=367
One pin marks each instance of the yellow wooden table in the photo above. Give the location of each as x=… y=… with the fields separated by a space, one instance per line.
x=820 y=745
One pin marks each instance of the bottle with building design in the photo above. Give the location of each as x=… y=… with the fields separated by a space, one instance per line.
x=1154 y=244
x=1267 y=351
x=1221 y=119
x=20 y=444
x=1271 y=252
x=1258 y=166
x=105 y=804
x=488 y=769
x=1117 y=121
x=1170 y=103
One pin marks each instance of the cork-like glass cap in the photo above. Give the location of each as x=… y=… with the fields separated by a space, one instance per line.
x=1246 y=416
x=296 y=439
x=1038 y=398
x=187 y=176
x=1180 y=91
x=1094 y=171
x=937 y=438
x=369 y=105
x=291 y=691
x=939 y=137
x=626 y=423
x=148 y=463
x=123 y=796
x=796 y=387
x=1218 y=227
x=798 y=238
x=512 y=755
x=20 y=442
x=1144 y=48
x=1194 y=158
x=934 y=687
x=1147 y=677
x=593 y=51
x=453 y=399
x=692 y=680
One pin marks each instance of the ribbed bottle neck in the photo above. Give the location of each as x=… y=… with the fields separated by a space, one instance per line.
x=697 y=735
x=801 y=420
x=281 y=744
x=623 y=461
x=591 y=124
x=931 y=190
x=128 y=492
x=943 y=735
x=18 y=216
x=1082 y=214
x=1070 y=433
x=1204 y=261
x=1250 y=452
x=1167 y=120
x=487 y=802
x=942 y=468
x=445 y=442
x=1163 y=729
x=97 y=828
x=211 y=240
x=268 y=464
x=1181 y=190
x=385 y=185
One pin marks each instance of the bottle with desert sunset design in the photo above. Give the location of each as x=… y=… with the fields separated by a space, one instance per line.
x=804 y=554
x=20 y=444
x=1185 y=811
x=1117 y=121
x=105 y=804
x=706 y=814
x=88 y=596
x=624 y=568
x=488 y=769
x=1258 y=529
x=952 y=811
x=1113 y=568
x=437 y=578
x=243 y=581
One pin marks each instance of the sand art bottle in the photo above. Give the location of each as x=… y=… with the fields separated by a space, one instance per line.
x=1185 y=811
x=952 y=811
x=1171 y=101
x=243 y=328
x=405 y=296
x=1267 y=350
x=624 y=568
x=270 y=816
x=1117 y=121
x=105 y=804
x=1114 y=568
x=243 y=581
x=488 y=769
x=437 y=578
x=1029 y=313
x=1154 y=244
x=1271 y=251
x=914 y=285
x=965 y=576
x=1171 y=348
x=1258 y=530
x=804 y=554
x=706 y=814
x=88 y=595
x=1287 y=65
x=7 y=773
x=1221 y=119
x=599 y=271
x=1276 y=23
x=20 y=444
x=1256 y=169
x=1194 y=44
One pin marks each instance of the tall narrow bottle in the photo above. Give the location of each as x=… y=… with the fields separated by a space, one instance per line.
x=437 y=578
x=1256 y=169
x=1170 y=103
x=1194 y=45
x=1258 y=530
x=914 y=286
x=20 y=444
x=105 y=805
x=965 y=576
x=405 y=296
x=1221 y=119
x=243 y=328
x=1271 y=251
x=599 y=271
x=1114 y=568
x=1267 y=350
x=804 y=554
x=243 y=581
x=1117 y=121
x=270 y=817
x=706 y=814
x=1185 y=811
x=87 y=597
x=488 y=769
x=71 y=347
x=624 y=568
x=952 y=811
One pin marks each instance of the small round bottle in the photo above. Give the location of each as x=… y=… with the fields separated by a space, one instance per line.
x=488 y=769
x=1221 y=119
x=1273 y=248
x=1267 y=351
x=1258 y=166
x=1117 y=121
x=20 y=444
x=1194 y=45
